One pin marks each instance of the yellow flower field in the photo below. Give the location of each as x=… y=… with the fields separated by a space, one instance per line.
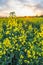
x=21 y=41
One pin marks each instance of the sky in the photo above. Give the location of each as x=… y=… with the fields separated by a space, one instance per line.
x=21 y=7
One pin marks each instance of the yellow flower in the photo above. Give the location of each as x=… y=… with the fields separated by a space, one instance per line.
x=30 y=27
x=12 y=23
x=41 y=34
x=11 y=50
x=21 y=56
x=34 y=57
x=1 y=35
x=7 y=32
x=0 y=56
x=33 y=52
x=26 y=61
x=25 y=50
x=16 y=29
x=4 y=52
x=41 y=27
x=16 y=44
x=20 y=24
x=18 y=49
x=23 y=42
x=32 y=46
x=41 y=42
x=7 y=43
x=23 y=31
x=1 y=53
x=0 y=46
x=22 y=38
x=28 y=53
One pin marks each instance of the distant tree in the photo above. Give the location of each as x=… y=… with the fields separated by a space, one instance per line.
x=12 y=14
x=41 y=15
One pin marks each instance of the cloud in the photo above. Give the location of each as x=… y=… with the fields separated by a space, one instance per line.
x=35 y=5
x=21 y=7
x=11 y=5
x=38 y=4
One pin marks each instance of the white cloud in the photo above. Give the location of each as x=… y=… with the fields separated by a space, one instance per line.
x=21 y=7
